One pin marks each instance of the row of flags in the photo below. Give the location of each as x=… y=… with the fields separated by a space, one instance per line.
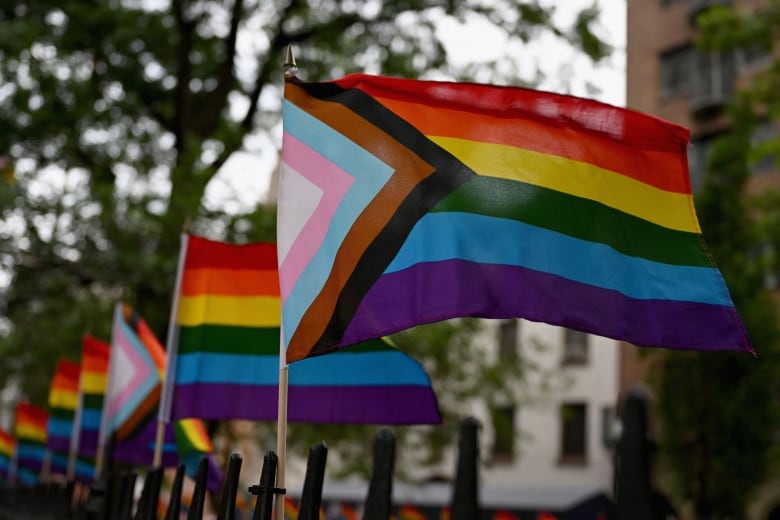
x=222 y=363
x=405 y=202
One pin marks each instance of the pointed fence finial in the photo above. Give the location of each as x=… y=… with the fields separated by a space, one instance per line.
x=290 y=68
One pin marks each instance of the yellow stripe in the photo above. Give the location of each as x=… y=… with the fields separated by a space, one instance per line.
x=27 y=432
x=94 y=383
x=667 y=209
x=259 y=311
x=6 y=447
x=64 y=399
x=197 y=435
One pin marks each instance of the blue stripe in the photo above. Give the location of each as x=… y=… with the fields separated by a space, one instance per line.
x=90 y=419
x=370 y=175
x=84 y=469
x=447 y=236
x=26 y=477
x=364 y=369
x=59 y=462
x=56 y=427
x=30 y=451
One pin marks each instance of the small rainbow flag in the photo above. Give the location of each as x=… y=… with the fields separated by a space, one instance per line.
x=192 y=444
x=227 y=357
x=7 y=446
x=94 y=376
x=30 y=430
x=63 y=402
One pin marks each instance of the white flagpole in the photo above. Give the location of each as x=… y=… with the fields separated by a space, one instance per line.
x=103 y=432
x=171 y=354
x=290 y=70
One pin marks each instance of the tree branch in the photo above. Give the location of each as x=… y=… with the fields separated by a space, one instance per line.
x=215 y=101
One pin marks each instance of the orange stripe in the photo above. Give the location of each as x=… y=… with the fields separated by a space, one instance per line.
x=603 y=151
x=230 y=282
x=94 y=365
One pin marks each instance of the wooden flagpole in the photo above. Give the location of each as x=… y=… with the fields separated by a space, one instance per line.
x=290 y=71
x=75 y=437
x=171 y=354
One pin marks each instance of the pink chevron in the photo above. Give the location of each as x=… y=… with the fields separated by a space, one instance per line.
x=141 y=373
x=334 y=183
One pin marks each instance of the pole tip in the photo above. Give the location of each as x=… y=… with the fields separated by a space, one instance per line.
x=290 y=68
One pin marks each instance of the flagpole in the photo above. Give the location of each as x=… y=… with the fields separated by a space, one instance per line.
x=104 y=432
x=290 y=71
x=75 y=436
x=171 y=353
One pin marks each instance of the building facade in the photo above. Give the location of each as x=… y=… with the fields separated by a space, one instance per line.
x=563 y=427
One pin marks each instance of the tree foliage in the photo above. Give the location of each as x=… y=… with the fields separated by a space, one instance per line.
x=118 y=115
x=719 y=441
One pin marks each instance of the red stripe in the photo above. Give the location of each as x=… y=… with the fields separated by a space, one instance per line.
x=66 y=376
x=204 y=253
x=634 y=144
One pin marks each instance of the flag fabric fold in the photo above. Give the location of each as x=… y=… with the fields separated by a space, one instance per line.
x=404 y=202
x=227 y=352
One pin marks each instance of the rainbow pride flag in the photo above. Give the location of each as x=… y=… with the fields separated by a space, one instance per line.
x=404 y=202
x=227 y=355
x=7 y=446
x=92 y=389
x=63 y=403
x=30 y=431
x=136 y=366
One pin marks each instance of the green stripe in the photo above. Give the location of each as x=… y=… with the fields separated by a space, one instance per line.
x=61 y=413
x=92 y=401
x=229 y=340
x=576 y=217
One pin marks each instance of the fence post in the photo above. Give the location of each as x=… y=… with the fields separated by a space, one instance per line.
x=124 y=502
x=632 y=476
x=311 y=496
x=174 y=503
x=265 y=490
x=379 y=501
x=199 y=495
x=465 y=497
x=150 y=496
x=227 y=507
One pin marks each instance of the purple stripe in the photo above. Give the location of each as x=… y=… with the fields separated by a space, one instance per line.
x=315 y=404
x=438 y=291
x=58 y=444
x=88 y=441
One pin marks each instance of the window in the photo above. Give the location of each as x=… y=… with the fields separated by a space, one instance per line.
x=504 y=433
x=575 y=347
x=676 y=72
x=507 y=341
x=573 y=433
x=755 y=56
x=713 y=81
